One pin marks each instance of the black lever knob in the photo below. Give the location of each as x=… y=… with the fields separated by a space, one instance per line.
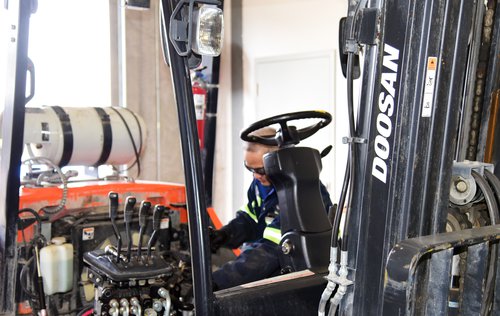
x=128 y=212
x=157 y=214
x=113 y=205
x=129 y=208
x=144 y=212
x=113 y=213
x=143 y=223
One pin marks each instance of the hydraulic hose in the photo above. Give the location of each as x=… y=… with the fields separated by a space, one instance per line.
x=352 y=151
x=340 y=206
x=494 y=183
x=64 y=180
x=332 y=268
x=492 y=205
x=167 y=301
x=24 y=281
x=489 y=197
x=330 y=287
x=37 y=217
x=86 y=311
x=347 y=189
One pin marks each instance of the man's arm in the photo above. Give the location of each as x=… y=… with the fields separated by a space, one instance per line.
x=239 y=230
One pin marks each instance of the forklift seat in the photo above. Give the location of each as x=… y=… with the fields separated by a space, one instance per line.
x=305 y=227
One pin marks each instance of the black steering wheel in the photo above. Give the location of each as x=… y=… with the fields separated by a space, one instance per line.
x=286 y=135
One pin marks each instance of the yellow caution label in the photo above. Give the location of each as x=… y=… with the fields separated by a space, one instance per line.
x=431 y=63
x=429 y=84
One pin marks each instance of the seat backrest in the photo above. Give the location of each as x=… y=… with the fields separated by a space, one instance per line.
x=294 y=172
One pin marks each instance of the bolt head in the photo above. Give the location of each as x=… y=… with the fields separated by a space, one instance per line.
x=287 y=247
x=157 y=306
x=461 y=186
x=150 y=312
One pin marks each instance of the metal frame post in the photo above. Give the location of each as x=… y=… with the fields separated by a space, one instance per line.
x=191 y=157
x=12 y=135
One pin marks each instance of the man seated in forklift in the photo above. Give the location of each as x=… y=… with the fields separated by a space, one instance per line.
x=257 y=225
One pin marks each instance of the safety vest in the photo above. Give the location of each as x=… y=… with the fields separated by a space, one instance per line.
x=262 y=208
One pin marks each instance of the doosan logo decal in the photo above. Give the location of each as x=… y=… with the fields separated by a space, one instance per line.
x=386 y=102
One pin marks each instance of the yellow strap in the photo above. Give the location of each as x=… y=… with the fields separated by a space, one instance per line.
x=259 y=201
x=272 y=234
x=247 y=210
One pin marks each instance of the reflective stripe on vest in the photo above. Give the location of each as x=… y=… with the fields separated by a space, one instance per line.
x=259 y=201
x=245 y=209
x=273 y=234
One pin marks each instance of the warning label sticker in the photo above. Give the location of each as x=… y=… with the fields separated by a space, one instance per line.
x=165 y=223
x=88 y=233
x=430 y=82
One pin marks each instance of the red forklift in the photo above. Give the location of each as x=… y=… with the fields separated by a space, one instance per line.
x=420 y=198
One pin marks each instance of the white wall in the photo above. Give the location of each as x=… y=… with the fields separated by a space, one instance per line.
x=273 y=28
x=4 y=19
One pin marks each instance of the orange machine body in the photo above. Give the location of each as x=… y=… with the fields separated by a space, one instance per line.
x=89 y=196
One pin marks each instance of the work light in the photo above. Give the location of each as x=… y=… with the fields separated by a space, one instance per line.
x=197 y=26
x=208 y=31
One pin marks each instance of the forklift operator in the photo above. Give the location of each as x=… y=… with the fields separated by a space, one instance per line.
x=257 y=224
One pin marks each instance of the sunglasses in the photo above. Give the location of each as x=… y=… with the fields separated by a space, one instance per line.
x=260 y=170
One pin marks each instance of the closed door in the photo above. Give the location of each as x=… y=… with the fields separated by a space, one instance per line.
x=300 y=83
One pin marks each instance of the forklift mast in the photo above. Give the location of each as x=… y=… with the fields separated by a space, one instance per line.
x=419 y=91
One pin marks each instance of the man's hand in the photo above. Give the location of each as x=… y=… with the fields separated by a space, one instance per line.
x=217 y=238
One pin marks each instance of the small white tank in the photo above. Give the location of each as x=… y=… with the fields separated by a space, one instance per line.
x=84 y=136
x=56 y=265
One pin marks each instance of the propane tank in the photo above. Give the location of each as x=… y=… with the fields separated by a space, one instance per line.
x=56 y=266
x=200 y=103
x=89 y=136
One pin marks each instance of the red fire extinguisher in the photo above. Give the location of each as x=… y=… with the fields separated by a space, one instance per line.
x=200 y=103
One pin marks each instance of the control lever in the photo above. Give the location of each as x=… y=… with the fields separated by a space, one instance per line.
x=143 y=223
x=128 y=211
x=113 y=213
x=157 y=213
